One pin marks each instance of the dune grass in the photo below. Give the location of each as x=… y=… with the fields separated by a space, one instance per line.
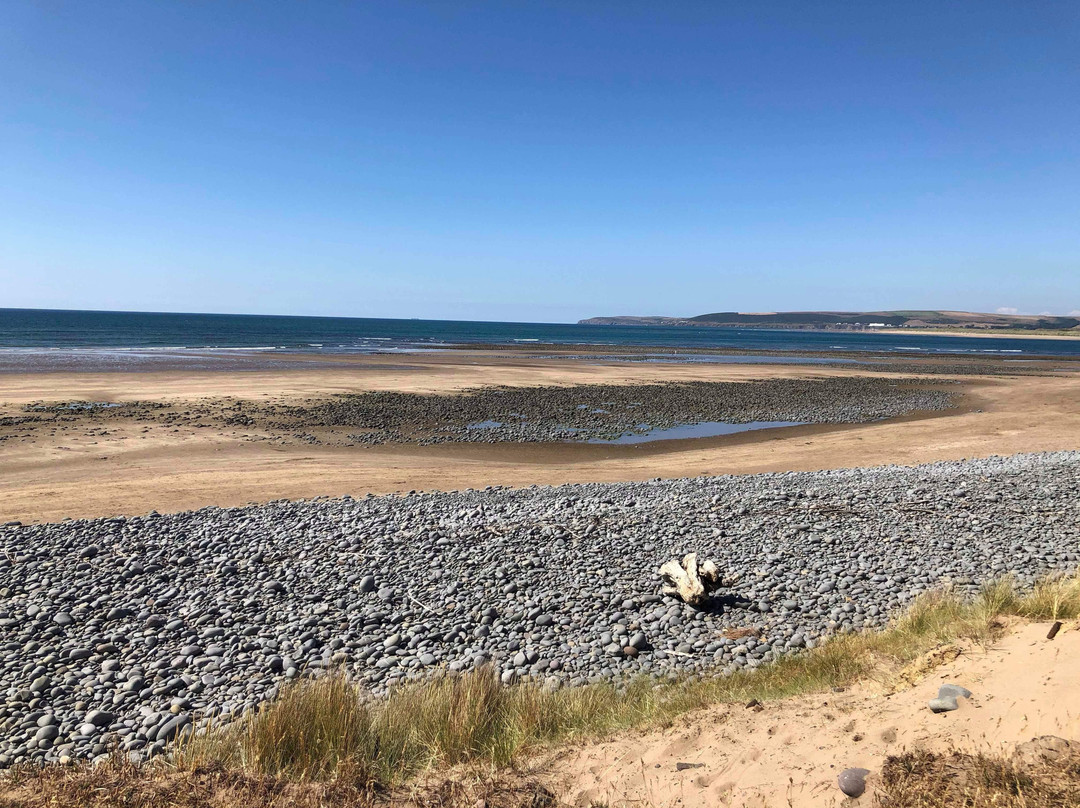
x=1056 y=598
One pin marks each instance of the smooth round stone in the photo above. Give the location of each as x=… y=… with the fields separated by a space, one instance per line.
x=48 y=733
x=41 y=684
x=853 y=782
x=99 y=718
x=170 y=728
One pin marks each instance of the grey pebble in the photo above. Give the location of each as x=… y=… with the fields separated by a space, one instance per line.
x=943 y=704
x=954 y=691
x=948 y=698
x=853 y=782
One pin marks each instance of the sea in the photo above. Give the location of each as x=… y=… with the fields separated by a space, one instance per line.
x=28 y=333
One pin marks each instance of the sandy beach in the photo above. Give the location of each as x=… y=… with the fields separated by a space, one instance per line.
x=138 y=467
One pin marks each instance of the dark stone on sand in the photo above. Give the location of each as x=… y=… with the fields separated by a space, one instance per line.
x=852 y=782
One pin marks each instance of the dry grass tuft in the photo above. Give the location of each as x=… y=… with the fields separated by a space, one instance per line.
x=958 y=780
x=1053 y=598
x=119 y=784
x=502 y=791
x=311 y=731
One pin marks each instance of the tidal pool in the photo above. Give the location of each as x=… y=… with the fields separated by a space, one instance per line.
x=706 y=429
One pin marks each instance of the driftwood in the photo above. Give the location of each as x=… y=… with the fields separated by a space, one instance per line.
x=691 y=582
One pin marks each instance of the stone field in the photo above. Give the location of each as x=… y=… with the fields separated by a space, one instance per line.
x=127 y=632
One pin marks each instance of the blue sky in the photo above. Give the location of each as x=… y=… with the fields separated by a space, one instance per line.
x=539 y=161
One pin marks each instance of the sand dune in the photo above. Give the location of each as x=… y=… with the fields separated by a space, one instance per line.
x=791 y=752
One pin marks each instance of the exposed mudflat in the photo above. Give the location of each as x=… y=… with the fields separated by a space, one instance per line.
x=550 y=413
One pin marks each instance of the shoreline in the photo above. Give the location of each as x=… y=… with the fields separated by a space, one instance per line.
x=108 y=364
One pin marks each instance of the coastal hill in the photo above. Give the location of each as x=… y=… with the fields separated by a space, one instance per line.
x=849 y=320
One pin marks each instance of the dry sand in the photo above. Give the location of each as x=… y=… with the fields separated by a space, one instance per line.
x=791 y=752
x=131 y=471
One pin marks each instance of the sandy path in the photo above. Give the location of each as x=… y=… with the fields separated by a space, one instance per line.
x=133 y=471
x=791 y=752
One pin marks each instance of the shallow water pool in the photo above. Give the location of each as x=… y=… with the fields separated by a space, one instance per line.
x=706 y=429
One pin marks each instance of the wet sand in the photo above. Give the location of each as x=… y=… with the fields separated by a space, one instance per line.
x=139 y=467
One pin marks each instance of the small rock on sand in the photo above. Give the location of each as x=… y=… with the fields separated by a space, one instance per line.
x=852 y=781
x=947 y=696
x=953 y=690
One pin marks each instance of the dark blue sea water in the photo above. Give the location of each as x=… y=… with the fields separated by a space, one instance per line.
x=47 y=329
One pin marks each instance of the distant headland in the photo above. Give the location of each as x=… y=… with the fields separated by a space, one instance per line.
x=860 y=320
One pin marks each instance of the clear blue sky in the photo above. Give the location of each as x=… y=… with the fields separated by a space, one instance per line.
x=539 y=160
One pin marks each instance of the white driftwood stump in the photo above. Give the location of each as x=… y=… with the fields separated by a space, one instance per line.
x=690 y=581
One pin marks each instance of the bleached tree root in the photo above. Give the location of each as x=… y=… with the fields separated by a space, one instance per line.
x=691 y=582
